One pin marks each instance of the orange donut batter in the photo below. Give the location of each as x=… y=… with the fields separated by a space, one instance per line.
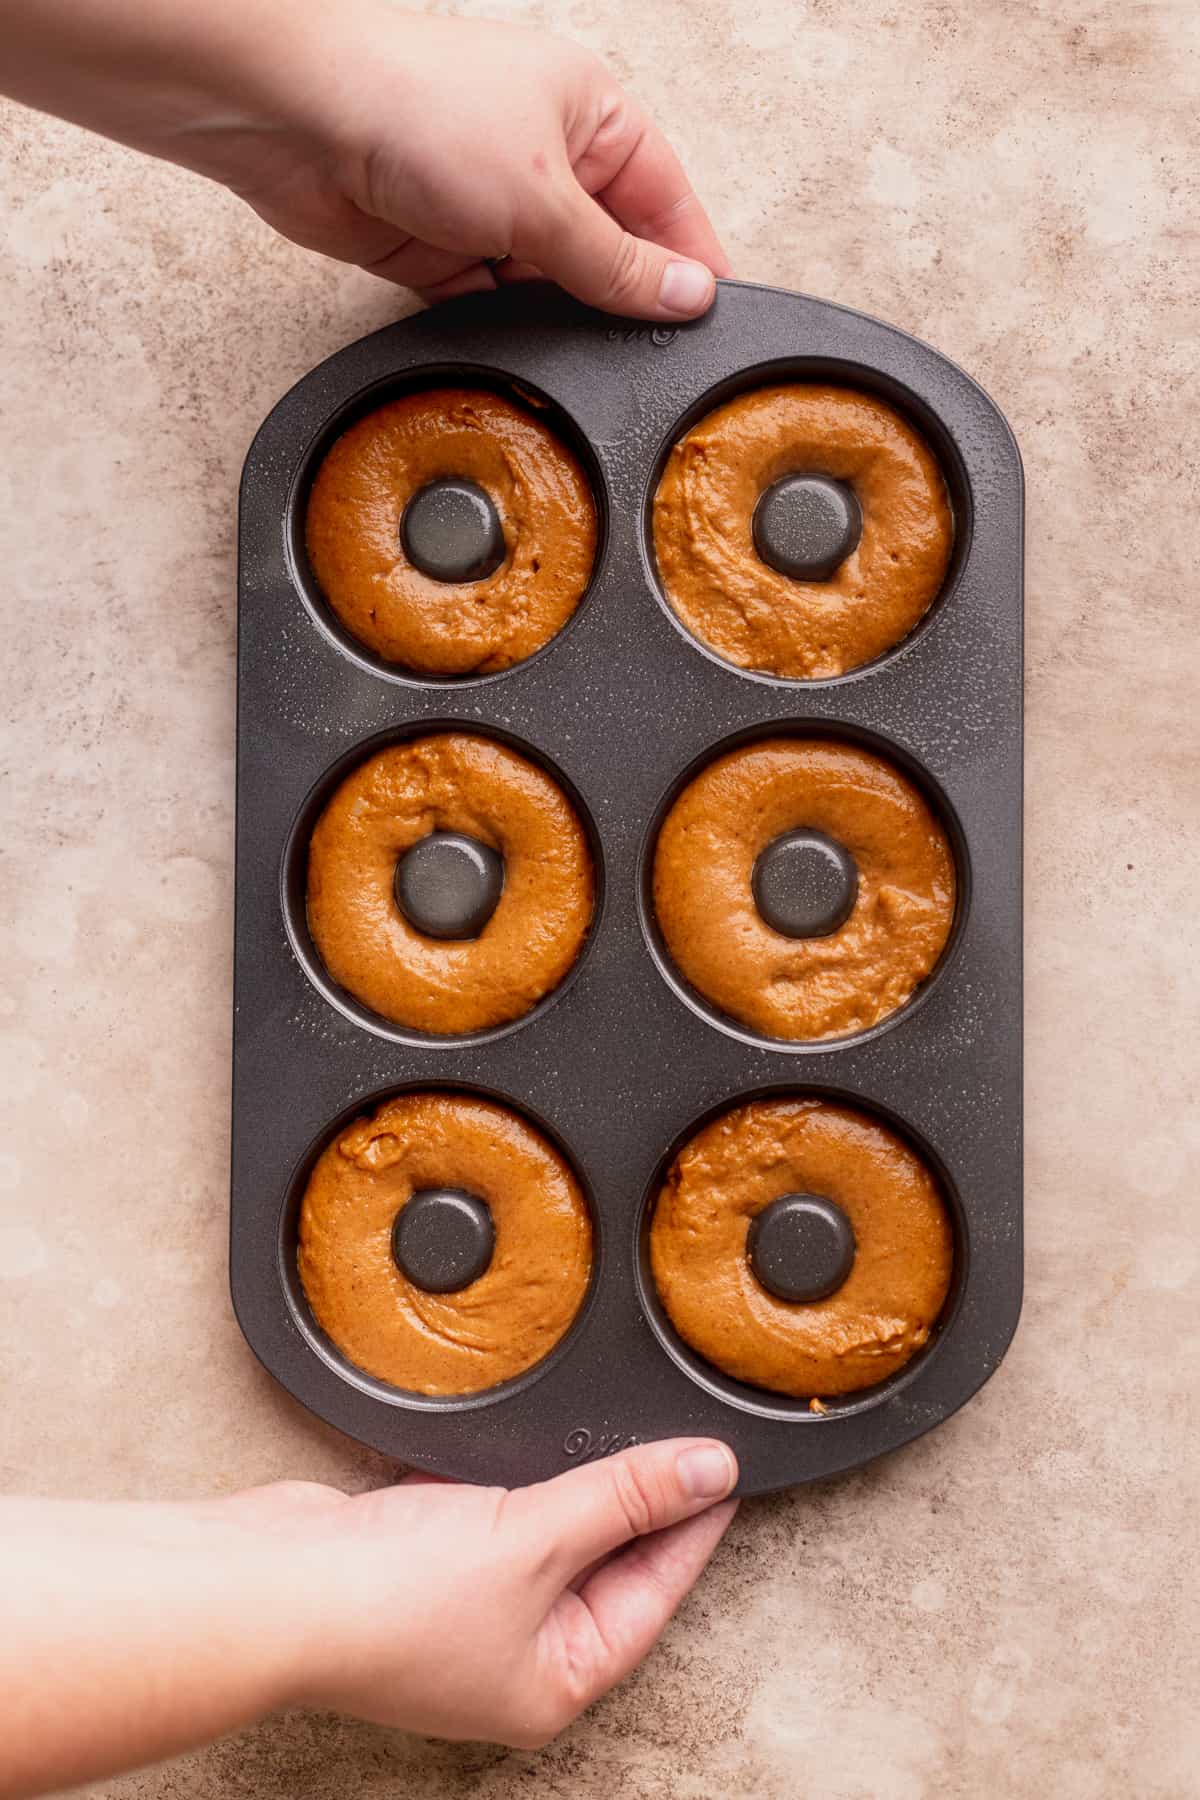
x=545 y=507
x=449 y=781
x=518 y=1309
x=813 y=987
x=884 y=1311
x=750 y=613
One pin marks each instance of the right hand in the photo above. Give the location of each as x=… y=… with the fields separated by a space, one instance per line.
x=423 y=148
x=470 y=1612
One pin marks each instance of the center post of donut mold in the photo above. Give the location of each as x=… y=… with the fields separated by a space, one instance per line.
x=443 y=1239
x=448 y=884
x=801 y=1247
x=805 y=884
x=451 y=531
x=807 y=525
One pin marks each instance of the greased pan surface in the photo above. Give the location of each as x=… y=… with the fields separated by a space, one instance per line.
x=623 y=1062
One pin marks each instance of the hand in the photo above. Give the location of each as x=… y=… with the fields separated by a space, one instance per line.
x=425 y=149
x=466 y=1612
x=431 y=144
x=133 y=1631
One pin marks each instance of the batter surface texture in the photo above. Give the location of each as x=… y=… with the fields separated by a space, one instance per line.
x=816 y=987
x=546 y=511
x=503 y=1323
x=734 y=1167
x=449 y=781
x=747 y=611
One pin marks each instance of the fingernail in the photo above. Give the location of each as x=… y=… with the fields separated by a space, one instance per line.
x=706 y=1472
x=686 y=288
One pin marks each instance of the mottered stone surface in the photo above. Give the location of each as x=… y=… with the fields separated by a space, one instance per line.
x=1000 y=1609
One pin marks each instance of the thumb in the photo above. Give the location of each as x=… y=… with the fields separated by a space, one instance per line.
x=582 y=247
x=587 y=1513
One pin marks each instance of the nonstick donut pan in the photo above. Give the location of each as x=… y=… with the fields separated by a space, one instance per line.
x=624 y=1062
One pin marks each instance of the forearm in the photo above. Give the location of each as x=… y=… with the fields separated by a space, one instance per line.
x=177 y=78
x=132 y=1632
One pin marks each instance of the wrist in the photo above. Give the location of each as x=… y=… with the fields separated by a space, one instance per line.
x=295 y=1592
x=255 y=1587
x=269 y=82
x=301 y=1644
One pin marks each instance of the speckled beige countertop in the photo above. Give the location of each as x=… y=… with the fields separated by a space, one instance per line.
x=999 y=1610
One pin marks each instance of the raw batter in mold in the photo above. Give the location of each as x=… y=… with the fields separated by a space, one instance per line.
x=546 y=512
x=814 y=987
x=747 y=611
x=498 y=1326
x=449 y=781
x=737 y=1165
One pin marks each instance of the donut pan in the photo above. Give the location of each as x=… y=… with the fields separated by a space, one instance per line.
x=623 y=1062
